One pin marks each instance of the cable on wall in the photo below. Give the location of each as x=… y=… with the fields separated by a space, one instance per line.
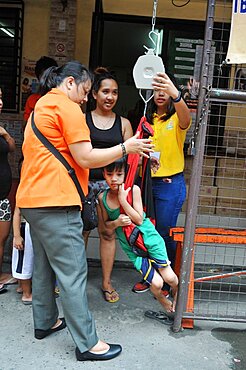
x=180 y=6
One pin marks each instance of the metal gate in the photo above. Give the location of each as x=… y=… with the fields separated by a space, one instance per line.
x=213 y=242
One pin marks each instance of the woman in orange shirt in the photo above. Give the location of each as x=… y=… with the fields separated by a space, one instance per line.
x=49 y=201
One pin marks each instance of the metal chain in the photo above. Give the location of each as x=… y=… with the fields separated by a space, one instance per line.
x=204 y=110
x=148 y=98
x=203 y=114
x=154 y=14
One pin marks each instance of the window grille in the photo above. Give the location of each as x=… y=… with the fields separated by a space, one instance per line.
x=11 y=26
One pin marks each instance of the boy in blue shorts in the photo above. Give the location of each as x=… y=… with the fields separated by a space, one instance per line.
x=155 y=268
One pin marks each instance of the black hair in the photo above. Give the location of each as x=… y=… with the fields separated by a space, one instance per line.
x=152 y=108
x=54 y=76
x=25 y=81
x=100 y=74
x=118 y=165
x=42 y=64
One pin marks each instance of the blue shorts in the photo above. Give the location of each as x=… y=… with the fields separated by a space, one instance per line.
x=149 y=266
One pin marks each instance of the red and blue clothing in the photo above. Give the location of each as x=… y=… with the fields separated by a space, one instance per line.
x=157 y=254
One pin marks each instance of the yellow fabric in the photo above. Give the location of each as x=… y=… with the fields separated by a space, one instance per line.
x=169 y=140
x=45 y=181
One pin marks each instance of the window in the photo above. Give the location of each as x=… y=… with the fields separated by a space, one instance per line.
x=11 y=25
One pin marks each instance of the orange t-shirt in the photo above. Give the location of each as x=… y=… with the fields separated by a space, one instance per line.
x=30 y=104
x=45 y=181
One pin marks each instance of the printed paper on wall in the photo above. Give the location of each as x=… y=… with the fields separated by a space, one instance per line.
x=237 y=48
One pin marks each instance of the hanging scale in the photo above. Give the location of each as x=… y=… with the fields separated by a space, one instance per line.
x=149 y=64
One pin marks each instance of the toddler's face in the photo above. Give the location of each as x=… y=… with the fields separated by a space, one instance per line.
x=114 y=178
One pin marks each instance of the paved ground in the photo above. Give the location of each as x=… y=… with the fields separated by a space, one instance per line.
x=146 y=343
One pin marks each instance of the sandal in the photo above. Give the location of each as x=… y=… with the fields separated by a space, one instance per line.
x=110 y=297
x=2 y=289
x=11 y=280
x=162 y=317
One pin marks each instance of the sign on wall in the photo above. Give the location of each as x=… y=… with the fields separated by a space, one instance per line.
x=29 y=82
x=185 y=60
x=237 y=48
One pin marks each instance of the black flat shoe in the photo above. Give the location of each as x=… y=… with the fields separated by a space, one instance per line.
x=40 y=334
x=114 y=351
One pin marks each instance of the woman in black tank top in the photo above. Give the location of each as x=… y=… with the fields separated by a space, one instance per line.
x=7 y=145
x=107 y=129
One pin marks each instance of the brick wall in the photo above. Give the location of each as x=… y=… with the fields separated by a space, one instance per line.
x=62 y=30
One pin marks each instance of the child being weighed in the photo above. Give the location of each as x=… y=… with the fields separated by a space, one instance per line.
x=155 y=268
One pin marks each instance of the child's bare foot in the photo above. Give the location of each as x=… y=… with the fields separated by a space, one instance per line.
x=175 y=295
x=168 y=305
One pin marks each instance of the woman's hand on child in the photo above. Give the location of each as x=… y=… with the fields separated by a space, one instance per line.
x=124 y=220
x=18 y=242
x=139 y=146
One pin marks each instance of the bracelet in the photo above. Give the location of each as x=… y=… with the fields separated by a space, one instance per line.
x=123 y=149
x=177 y=100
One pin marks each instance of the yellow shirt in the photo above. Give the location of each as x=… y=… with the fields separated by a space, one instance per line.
x=169 y=140
x=45 y=181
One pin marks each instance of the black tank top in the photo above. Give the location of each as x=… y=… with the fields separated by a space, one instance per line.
x=102 y=139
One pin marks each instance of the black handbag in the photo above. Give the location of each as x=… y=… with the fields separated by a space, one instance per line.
x=89 y=212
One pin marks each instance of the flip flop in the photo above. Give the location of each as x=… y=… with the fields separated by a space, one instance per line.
x=26 y=303
x=110 y=300
x=11 y=281
x=2 y=289
x=162 y=317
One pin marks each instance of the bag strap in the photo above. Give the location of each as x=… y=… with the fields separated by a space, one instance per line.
x=60 y=157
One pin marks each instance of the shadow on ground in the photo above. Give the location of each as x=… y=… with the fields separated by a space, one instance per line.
x=146 y=343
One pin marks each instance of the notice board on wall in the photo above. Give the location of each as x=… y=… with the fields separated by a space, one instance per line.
x=185 y=61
